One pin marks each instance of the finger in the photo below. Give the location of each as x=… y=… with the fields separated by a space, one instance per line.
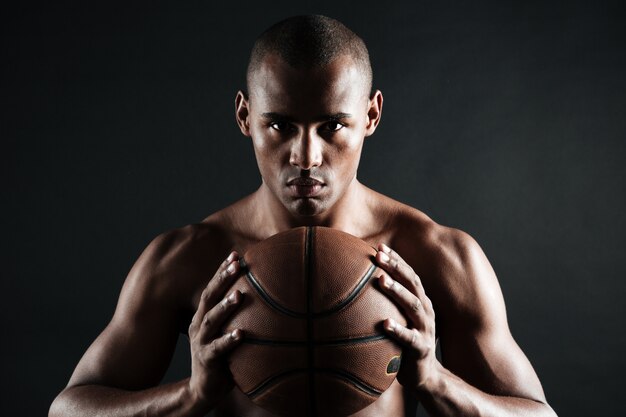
x=216 y=288
x=397 y=267
x=216 y=316
x=410 y=338
x=408 y=302
x=222 y=345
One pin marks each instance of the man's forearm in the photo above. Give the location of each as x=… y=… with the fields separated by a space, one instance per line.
x=171 y=400
x=448 y=395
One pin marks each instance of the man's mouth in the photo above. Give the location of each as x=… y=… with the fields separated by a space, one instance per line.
x=305 y=187
x=305 y=182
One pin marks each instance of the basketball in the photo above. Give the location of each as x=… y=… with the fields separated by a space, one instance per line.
x=312 y=319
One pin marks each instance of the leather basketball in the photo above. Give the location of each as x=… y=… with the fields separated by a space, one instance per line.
x=312 y=317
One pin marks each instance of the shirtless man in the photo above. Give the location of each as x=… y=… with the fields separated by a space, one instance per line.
x=308 y=109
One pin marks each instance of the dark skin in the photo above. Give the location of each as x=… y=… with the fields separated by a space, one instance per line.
x=307 y=129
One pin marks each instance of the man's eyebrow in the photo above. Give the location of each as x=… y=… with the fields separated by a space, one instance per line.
x=278 y=116
x=336 y=116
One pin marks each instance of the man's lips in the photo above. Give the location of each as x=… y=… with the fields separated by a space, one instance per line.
x=305 y=187
x=304 y=181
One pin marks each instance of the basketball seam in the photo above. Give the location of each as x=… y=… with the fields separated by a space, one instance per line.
x=309 y=310
x=266 y=297
x=272 y=380
x=353 y=379
x=336 y=342
x=276 y=306
x=346 y=376
x=355 y=292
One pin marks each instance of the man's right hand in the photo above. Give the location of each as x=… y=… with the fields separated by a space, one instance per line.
x=210 y=376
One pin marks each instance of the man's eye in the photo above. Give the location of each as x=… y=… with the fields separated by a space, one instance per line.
x=333 y=126
x=280 y=126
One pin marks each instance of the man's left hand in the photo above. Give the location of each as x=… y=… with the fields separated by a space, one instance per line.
x=419 y=363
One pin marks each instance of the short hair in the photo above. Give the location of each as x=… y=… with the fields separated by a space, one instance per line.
x=309 y=42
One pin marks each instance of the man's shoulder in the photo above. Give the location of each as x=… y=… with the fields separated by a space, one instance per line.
x=412 y=228
x=199 y=245
x=178 y=260
x=183 y=244
x=440 y=253
x=452 y=266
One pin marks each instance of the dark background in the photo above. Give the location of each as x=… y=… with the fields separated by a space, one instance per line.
x=504 y=119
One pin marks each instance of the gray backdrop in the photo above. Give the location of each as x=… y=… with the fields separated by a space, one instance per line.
x=503 y=119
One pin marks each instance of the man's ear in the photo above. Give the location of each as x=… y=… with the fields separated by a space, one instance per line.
x=241 y=113
x=374 y=112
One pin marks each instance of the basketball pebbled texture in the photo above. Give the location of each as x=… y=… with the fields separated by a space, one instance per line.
x=312 y=320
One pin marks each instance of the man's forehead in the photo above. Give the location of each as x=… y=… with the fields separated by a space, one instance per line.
x=276 y=82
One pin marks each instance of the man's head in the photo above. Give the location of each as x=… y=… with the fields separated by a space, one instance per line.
x=308 y=109
x=310 y=42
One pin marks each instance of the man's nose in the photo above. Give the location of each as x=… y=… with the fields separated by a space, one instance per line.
x=306 y=151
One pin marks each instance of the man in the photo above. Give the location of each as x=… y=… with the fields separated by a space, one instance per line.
x=308 y=108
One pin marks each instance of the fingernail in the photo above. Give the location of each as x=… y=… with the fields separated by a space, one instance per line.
x=231 y=257
x=386 y=248
x=231 y=268
x=391 y=325
x=232 y=298
x=383 y=257
x=235 y=334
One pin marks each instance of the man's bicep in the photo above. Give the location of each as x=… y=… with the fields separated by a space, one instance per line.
x=134 y=350
x=126 y=356
x=475 y=340
x=493 y=363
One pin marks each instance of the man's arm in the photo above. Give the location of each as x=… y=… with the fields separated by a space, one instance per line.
x=119 y=373
x=484 y=372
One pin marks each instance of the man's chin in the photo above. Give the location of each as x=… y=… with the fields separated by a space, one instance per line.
x=306 y=207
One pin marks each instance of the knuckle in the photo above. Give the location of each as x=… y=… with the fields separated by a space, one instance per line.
x=413 y=338
x=394 y=258
x=416 y=279
x=213 y=350
x=219 y=345
x=223 y=275
x=416 y=306
x=394 y=262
